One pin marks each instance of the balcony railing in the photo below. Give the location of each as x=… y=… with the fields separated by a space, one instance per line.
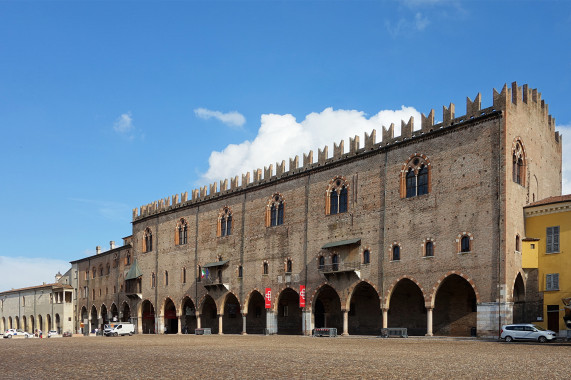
x=343 y=267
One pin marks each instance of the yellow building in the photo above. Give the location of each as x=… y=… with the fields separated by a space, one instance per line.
x=547 y=247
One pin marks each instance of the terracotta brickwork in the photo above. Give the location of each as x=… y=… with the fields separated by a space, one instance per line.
x=470 y=188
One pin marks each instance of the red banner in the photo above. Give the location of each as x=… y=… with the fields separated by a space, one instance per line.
x=268 y=298
x=302 y=296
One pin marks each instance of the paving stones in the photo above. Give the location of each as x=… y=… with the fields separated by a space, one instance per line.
x=278 y=357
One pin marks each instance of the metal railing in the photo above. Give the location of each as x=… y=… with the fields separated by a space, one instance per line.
x=340 y=267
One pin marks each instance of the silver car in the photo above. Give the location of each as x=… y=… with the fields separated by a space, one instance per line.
x=526 y=331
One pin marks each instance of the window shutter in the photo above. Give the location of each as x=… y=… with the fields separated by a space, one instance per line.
x=549 y=240
x=548 y=282
x=555 y=281
x=555 y=239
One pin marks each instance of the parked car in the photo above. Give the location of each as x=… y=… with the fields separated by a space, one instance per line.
x=52 y=333
x=526 y=331
x=11 y=332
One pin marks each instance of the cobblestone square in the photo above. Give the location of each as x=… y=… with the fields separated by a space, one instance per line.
x=278 y=357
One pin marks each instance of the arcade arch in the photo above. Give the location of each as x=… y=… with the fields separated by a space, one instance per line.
x=364 y=310
x=256 y=317
x=231 y=320
x=455 y=303
x=148 y=317
x=289 y=313
x=406 y=308
x=327 y=309
x=209 y=314
x=170 y=317
x=188 y=316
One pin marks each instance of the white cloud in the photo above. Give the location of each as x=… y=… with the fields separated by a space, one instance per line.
x=281 y=137
x=565 y=130
x=406 y=26
x=22 y=272
x=124 y=124
x=231 y=119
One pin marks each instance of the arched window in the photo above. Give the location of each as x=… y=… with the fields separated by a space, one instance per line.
x=153 y=280
x=181 y=232
x=147 y=240
x=225 y=222
x=518 y=162
x=101 y=270
x=288 y=266
x=183 y=277
x=396 y=253
x=200 y=274
x=166 y=278
x=275 y=211
x=93 y=272
x=335 y=262
x=321 y=262
x=128 y=258
x=366 y=256
x=266 y=268
x=429 y=249
x=465 y=243
x=415 y=177
x=337 y=201
x=240 y=271
x=517 y=243
x=108 y=268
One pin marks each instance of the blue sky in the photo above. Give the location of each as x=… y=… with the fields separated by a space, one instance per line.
x=106 y=106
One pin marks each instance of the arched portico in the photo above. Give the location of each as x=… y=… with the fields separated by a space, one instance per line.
x=455 y=307
x=519 y=300
x=407 y=307
x=58 y=324
x=41 y=323
x=147 y=317
x=209 y=314
x=364 y=317
x=326 y=309
x=289 y=313
x=126 y=311
x=49 y=321
x=114 y=313
x=256 y=316
x=94 y=319
x=24 y=323
x=232 y=318
x=170 y=317
x=188 y=316
x=104 y=316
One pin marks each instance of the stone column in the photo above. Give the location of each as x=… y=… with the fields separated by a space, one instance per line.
x=198 y=320
x=179 y=318
x=385 y=318
x=220 y=324
x=345 y=322
x=429 y=321
x=271 y=322
x=244 y=324
x=306 y=321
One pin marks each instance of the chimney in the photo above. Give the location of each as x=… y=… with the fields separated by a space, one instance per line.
x=112 y=244
x=98 y=250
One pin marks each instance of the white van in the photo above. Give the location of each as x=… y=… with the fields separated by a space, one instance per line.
x=117 y=329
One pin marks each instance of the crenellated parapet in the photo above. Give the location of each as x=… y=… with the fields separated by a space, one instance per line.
x=508 y=97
